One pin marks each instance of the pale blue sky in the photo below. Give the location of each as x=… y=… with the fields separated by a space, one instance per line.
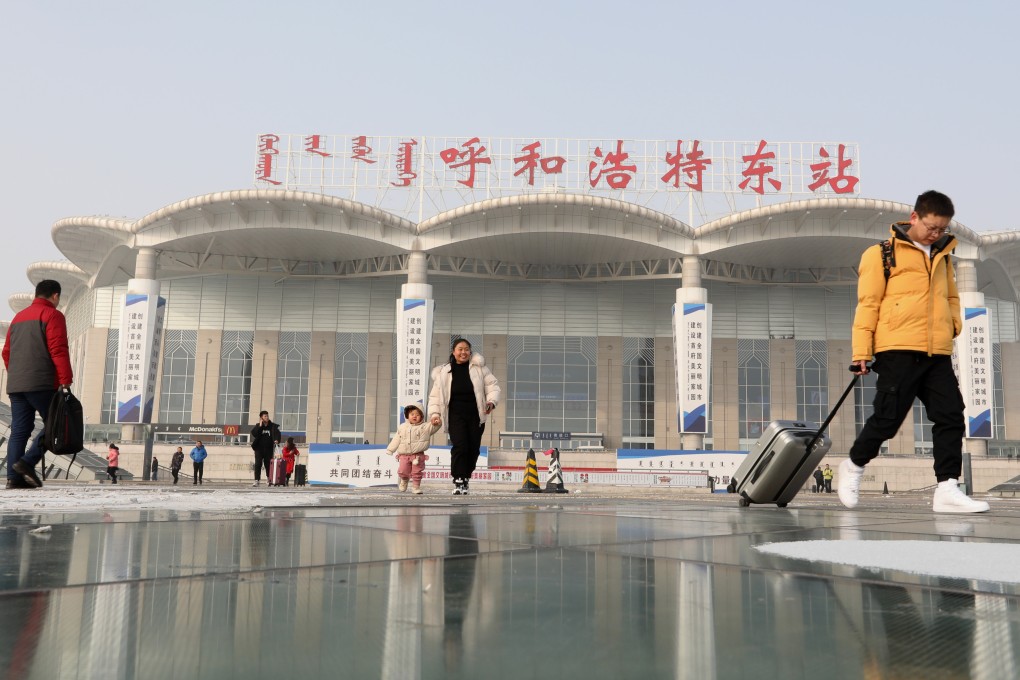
x=99 y=98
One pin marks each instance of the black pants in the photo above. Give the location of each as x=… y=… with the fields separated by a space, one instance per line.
x=174 y=472
x=466 y=439
x=262 y=459
x=112 y=472
x=902 y=377
x=828 y=485
x=199 y=472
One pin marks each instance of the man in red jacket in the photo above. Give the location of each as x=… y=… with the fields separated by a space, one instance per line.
x=38 y=363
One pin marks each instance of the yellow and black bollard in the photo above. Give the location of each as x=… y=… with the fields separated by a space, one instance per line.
x=555 y=482
x=530 y=475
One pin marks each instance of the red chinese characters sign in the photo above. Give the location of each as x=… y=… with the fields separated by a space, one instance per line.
x=754 y=168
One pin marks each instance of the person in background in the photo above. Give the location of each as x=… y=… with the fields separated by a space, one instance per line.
x=154 y=469
x=290 y=454
x=819 y=480
x=198 y=456
x=464 y=393
x=38 y=364
x=176 y=462
x=113 y=462
x=827 y=477
x=265 y=437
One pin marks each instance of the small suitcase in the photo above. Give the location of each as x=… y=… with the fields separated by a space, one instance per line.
x=783 y=458
x=300 y=475
x=277 y=472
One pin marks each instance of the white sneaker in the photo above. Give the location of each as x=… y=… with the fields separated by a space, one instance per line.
x=849 y=480
x=403 y=485
x=416 y=490
x=257 y=482
x=949 y=498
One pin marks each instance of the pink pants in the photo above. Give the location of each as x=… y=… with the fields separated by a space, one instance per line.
x=409 y=470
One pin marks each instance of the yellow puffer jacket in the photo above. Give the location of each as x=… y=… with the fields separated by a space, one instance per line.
x=917 y=309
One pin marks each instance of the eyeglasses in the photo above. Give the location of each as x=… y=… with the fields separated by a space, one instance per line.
x=938 y=231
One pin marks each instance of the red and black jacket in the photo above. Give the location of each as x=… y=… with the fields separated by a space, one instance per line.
x=36 y=354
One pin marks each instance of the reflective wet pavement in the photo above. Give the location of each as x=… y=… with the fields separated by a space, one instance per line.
x=495 y=586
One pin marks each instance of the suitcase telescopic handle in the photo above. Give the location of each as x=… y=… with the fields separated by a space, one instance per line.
x=832 y=413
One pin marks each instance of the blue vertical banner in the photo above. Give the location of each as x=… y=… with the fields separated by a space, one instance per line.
x=692 y=345
x=414 y=351
x=972 y=361
x=141 y=335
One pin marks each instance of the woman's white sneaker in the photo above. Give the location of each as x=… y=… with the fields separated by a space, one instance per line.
x=849 y=481
x=949 y=498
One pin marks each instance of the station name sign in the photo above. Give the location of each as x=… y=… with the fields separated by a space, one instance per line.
x=755 y=167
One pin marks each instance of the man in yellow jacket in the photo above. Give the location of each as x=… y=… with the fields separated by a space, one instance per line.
x=908 y=313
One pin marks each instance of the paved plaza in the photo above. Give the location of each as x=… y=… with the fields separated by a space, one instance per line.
x=222 y=582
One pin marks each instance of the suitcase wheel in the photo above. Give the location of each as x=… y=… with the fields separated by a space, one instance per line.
x=731 y=487
x=743 y=502
x=782 y=505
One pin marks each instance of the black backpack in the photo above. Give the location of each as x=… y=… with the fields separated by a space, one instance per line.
x=65 y=425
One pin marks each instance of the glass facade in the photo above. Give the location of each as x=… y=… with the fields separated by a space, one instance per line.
x=638 y=393
x=812 y=380
x=551 y=384
x=234 y=402
x=350 y=367
x=178 y=383
x=753 y=387
x=292 y=380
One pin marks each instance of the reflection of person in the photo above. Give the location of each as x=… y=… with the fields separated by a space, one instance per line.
x=819 y=480
x=112 y=462
x=265 y=437
x=176 y=462
x=827 y=477
x=198 y=456
x=464 y=393
x=908 y=313
x=409 y=444
x=458 y=582
x=38 y=363
x=290 y=454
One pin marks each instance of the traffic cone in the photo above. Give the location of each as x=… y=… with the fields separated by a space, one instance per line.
x=530 y=475
x=885 y=488
x=555 y=482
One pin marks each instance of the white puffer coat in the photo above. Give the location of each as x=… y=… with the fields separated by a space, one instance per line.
x=412 y=438
x=485 y=384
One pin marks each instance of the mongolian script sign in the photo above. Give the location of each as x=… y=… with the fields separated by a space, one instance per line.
x=757 y=167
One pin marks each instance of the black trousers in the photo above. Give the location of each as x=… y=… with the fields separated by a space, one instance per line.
x=262 y=459
x=466 y=440
x=902 y=377
x=199 y=472
x=174 y=472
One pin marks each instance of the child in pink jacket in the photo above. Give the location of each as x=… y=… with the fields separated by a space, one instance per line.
x=409 y=444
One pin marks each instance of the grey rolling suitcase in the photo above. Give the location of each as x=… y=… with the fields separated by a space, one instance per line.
x=782 y=460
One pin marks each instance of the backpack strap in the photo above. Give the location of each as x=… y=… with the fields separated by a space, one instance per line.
x=888 y=256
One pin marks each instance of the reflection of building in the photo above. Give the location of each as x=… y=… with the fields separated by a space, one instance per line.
x=284 y=300
x=532 y=592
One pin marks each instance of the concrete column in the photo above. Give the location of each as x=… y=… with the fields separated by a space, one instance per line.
x=609 y=390
x=966 y=283
x=690 y=291
x=265 y=354
x=204 y=404
x=145 y=264
x=321 y=366
x=415 y=317
x=966 y=275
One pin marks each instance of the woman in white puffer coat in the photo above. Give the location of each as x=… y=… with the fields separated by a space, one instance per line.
x=464 y=393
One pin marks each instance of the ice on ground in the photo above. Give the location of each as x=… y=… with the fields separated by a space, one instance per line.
x=995 y=562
